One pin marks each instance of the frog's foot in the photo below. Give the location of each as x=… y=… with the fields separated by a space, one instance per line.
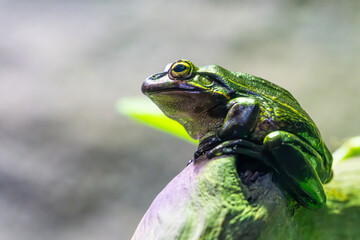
x=206 y=145
x=294 y=163
x=238 y=146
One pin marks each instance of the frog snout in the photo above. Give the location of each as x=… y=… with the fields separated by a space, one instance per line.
x=155 y=82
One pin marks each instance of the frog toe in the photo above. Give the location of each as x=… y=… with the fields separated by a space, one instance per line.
x=238 y=147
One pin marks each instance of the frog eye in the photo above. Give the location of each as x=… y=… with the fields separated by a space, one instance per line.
x=180 y=70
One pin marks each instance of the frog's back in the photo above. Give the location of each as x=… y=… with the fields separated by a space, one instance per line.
x=243 y=83
x=282 y=105
x=259 y=88
x=269 y=91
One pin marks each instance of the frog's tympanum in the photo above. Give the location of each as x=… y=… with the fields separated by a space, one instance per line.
x=247 y=116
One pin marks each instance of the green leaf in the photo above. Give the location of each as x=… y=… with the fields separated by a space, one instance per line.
x=349 y=149
x=146 y=112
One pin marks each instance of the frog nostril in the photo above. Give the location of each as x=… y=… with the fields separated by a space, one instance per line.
x=158 y=75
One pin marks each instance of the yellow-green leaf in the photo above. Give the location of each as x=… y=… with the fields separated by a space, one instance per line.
x=144 y=111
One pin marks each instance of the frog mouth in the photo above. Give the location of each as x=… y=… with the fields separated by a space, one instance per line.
x=151 y=86
x=173 y=90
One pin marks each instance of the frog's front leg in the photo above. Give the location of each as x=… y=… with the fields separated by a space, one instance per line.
x=240 y=120
x=296 y=166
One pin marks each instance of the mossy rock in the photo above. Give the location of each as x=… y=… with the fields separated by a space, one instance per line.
x=208 y=200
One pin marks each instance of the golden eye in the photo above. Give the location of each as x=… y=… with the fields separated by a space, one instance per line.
x=180 y=70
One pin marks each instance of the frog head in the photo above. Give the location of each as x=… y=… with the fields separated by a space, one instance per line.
x=194 y=97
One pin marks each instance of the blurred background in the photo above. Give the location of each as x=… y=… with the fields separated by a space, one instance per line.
x=72 y=168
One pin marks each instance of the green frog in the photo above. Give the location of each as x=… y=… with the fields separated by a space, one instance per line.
x=244 y=115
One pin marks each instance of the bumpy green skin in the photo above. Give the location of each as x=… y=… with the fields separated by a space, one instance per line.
x=238 y=113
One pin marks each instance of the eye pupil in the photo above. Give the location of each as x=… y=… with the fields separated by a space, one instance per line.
x=179 y=68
